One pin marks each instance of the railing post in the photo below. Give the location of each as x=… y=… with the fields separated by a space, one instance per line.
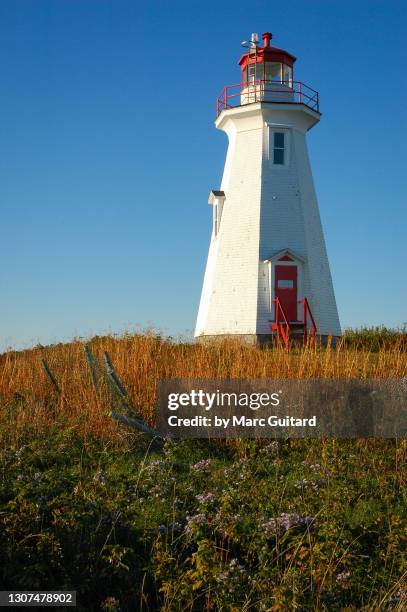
x=304 y=318
x=282 y=329
x=299 y=91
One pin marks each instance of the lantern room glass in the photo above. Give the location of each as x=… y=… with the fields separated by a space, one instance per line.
x=254 y=72
x=276 y=72
x=273 y=72
x=287 y=75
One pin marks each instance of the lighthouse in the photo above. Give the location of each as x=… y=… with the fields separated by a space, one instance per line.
x=267 y=273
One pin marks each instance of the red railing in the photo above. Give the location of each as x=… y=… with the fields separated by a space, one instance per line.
x=306 y=312
x=267 y=91
x=281 y=325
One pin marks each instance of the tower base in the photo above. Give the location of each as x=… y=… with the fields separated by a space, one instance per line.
x=264 y=340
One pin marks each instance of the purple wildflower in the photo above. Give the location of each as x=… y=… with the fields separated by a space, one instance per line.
x=202 y=466
x=311 y=484
x=343 y=579
x=286 y=521
x=194 y=521
x=206 y=499
x=231 y=576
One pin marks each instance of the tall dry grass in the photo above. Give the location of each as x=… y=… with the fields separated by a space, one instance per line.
x=141 y=359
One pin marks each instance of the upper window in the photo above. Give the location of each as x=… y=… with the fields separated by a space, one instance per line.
x=279 y=148
x=255 y=72
x=273 y=72
x=287 y=75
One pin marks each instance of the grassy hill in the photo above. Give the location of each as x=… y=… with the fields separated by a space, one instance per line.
x=132 y=524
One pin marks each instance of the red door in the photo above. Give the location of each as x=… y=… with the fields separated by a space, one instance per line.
x=285 y=288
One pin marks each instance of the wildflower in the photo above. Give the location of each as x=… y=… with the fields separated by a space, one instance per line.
x=203 y=466
x=155 y=491
x=231 y=577
x=400 y=595
x=222 y=577
x=243 y=460
x=206 y=499
x=150 y=467
x=286 y=521
x=312 y=484
x=271 y=449
x=300 y=484
x=316 y=467
x=234 y=565
x=194 y=521
x=343 y=578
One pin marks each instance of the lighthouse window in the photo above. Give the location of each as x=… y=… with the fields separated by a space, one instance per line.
x=279 y=144
x=251 y=71
x=287 y=76
x=254 y=72
x=273 y=72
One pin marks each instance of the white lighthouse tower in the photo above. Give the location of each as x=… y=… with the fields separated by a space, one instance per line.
x=267 y=272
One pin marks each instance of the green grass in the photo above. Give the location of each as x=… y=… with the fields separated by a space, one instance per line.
x=91 y=506
x=376 y=338
x=289 y=525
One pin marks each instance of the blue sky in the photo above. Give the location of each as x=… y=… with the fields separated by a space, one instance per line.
x=109 y=152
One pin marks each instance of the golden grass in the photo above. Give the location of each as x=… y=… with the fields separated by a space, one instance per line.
x=141 y=359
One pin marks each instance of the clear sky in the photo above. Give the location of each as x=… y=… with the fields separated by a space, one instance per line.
x=109 y=152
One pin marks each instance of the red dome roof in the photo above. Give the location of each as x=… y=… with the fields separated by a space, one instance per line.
x=267 y=53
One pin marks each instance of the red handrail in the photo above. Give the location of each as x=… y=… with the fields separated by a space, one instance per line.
x=306 y=311
x=281 y=327
x=258 y=92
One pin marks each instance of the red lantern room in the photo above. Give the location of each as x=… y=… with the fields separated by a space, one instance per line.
x=267 y=76
x=266 y=63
